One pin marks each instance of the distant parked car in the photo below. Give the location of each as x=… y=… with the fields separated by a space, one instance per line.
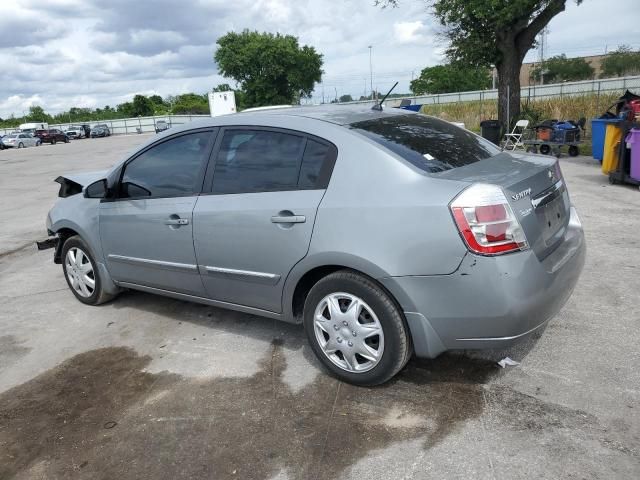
x=52 y=136
x=75 y=131
x=161 y=126
x=100 y=130
x=20 y=140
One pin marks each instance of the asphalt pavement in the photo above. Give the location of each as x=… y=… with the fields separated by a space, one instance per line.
x=146 y=387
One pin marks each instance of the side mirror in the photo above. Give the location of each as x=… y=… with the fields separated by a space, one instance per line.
x=96 y=189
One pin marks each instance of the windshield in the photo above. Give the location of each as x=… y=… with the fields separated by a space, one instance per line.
x=431 y=144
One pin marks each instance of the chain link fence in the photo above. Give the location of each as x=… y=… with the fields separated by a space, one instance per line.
x=586 y=87
x=125 y=126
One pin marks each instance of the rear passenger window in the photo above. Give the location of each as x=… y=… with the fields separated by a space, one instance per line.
x=267 y=161
x=315 y=155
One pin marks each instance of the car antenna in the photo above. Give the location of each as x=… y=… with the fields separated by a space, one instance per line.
x=378 y=106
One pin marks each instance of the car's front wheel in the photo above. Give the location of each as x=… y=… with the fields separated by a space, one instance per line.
x=81 y=272
x=355 y=329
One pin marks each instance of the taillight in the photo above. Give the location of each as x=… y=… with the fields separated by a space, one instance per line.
x=486 y=221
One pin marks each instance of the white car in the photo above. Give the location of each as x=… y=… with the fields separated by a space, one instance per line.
x=75 y=131
x=20 y=140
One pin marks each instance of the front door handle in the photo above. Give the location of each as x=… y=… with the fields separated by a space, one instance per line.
x=288 y=219
x=177 y=221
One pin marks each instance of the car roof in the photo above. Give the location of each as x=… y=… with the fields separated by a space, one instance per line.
x=332 y=113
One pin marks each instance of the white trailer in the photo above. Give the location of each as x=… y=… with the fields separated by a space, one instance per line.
x=222 y=103
x=31 y=127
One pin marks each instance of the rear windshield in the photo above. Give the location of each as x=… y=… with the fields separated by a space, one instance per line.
x=429 y=143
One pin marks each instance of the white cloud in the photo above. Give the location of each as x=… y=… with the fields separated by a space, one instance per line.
x=97 y=52
x=409 y=32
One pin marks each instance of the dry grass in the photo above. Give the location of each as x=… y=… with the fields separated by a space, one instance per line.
x=561 y=108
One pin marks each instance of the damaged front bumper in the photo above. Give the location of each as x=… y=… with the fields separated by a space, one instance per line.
x=48 y=243
x=52 y=242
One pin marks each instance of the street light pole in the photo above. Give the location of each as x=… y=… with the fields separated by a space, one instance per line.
x=371 y=69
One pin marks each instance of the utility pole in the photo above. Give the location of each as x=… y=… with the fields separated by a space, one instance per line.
x=371 y=68
x=336 y=90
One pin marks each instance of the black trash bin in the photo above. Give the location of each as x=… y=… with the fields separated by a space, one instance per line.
x=491 y=130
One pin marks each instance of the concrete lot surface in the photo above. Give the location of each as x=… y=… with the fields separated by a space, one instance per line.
x=146 y=387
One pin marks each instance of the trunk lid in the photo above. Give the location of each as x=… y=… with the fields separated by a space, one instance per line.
x=535 y=190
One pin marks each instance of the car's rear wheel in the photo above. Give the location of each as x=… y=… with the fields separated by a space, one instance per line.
x=53 y=141
x=81 y=272
x=21 y=145
x=66 y=139
x=355 y=329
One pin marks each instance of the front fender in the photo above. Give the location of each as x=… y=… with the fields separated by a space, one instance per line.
x=82 y=216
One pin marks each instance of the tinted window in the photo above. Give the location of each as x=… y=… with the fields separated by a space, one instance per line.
x=258 y=161
x=169 y=169
x=315 y=155
x=430 y=144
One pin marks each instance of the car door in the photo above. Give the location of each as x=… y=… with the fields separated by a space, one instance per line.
x=256 y=219
x=147 y=230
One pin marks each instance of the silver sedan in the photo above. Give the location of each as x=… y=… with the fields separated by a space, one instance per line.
x=384 y=233
x=20 y=140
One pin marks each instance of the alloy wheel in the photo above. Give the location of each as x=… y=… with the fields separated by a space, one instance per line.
x=80 y=272
x=348 y=332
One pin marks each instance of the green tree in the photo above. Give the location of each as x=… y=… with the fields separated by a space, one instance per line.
x=270 y=69
x=498 y=32
x=346 y=98
x=560 y=69
x=623 y=61
x=142 y=106
x=190 y=103
x=37 y=114
x=450 y=78
x=223 y=87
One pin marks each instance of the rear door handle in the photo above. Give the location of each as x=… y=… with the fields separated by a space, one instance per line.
x=288 y=219
x=177 y=221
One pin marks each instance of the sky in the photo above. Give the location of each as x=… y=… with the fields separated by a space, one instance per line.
x=91 y=53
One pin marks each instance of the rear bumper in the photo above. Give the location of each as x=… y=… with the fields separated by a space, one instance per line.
x=490 y=302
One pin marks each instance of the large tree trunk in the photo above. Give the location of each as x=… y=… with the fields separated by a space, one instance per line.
x=509 y=88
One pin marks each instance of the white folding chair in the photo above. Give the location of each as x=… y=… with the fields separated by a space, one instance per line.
x=513 y=140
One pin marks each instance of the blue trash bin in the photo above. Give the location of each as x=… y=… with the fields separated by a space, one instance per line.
x=598 y=131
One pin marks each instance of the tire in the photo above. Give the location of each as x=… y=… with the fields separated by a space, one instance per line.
x=38 y=143
x=545 y=149
x=21 y=145
x=389 y=350
x=53 y=141
x=532 y=150
x=74 y=266
x=66 y=139
x=574 y=151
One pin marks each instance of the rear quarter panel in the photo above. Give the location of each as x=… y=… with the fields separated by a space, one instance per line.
x=380 y=209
